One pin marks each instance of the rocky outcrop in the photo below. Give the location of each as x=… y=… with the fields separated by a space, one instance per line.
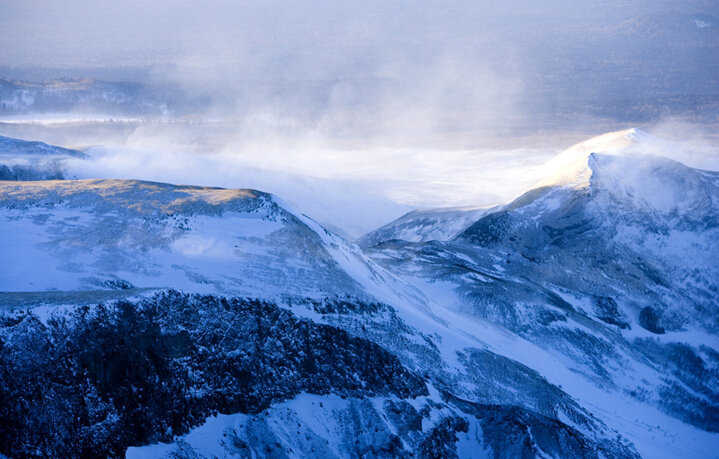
x=101 y=379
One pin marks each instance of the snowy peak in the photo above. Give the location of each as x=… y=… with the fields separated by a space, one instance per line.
x=570 y=168
x=629 y=167
x=439 y=224
x=653 y=204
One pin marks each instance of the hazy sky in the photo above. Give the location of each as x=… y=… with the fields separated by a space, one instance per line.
x=445 y=56
x=377 y=104
x=324 y=37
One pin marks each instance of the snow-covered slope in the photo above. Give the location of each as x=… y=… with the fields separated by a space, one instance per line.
x=650 y=219
x=609 y=265
x=95 y=234
x=578 y=320
x=27 y=160
x=425 y=225
x=65 y=241
x=18 y=147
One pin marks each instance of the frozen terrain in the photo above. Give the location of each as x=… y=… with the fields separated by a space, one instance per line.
x=579 y=320
x=89 y=234
x=610 y=265
x=426 y=225
x=24 y=160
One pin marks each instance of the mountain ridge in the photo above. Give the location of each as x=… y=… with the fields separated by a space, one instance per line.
x=564 y=319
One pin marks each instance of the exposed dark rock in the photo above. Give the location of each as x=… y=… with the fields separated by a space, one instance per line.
x=94 y=382
x=607 y=311
x=547 y=316
x=346 y=305
x=512 y=432
x=699 y=405
x=650 y=320
x=404 y=417
x=489 y=230
x=117 y=284
x=440 y=443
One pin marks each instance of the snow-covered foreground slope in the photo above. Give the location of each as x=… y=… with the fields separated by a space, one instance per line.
x=327 y=378
x=576 y=321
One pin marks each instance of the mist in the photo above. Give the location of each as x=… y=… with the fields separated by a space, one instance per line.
x=382 y=69
x=355 y=111
x=352 y=190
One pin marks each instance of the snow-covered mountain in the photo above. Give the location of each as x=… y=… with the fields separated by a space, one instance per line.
x=19 y=147
x=94 y=234
x=647 y=222
x=27 y=160
x=609 y=265
x=79 y=242
x=425 y=225
x=577 y=321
